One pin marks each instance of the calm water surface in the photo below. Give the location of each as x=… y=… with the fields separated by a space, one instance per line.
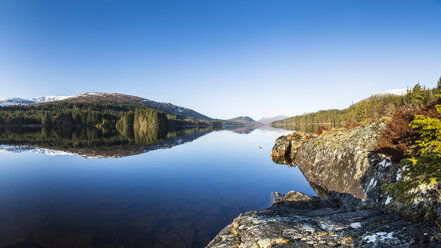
x=177 y=197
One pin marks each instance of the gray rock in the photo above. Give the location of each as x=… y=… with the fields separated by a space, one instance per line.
x=352 y=210
x=308 y=223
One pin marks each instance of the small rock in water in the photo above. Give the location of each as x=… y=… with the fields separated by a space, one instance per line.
x=278 y=194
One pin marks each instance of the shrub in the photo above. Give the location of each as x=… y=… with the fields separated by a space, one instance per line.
x=350 y=124
x=424 y=171
x=321 y=129
x=399 y=139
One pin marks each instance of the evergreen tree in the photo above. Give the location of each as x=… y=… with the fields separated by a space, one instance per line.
x=425 y=169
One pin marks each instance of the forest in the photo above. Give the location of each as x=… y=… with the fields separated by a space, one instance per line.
x=369 y=110
x=124 y=117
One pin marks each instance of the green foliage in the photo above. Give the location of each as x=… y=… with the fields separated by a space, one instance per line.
x=423 y=170
x=418 y=172
x=369 y=110
x=122 y=116
x=430 y=132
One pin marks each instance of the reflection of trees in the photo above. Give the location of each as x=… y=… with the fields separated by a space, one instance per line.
x=97 y=139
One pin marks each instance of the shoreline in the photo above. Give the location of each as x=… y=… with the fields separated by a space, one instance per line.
x=353 y=209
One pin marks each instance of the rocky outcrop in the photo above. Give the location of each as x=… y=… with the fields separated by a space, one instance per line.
x=286 y=147
x=298 y=220
x=353 y=210
x=335 y=161
x=346 y=161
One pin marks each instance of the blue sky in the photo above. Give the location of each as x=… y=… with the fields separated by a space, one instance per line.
x=223 y=58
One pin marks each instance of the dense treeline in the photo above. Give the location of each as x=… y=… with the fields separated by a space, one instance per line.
x=122 y=116
x=369 y=110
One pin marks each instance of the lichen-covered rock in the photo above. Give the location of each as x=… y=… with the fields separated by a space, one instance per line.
x=313 y=222
x=382 y=171
x=338 y=160
x=346 y=162
x=285 y=147
x=352 y=210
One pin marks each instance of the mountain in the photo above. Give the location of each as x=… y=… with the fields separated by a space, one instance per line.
x=21 y=101
x=395 y=92
x=243 y=120
x=268 y=120
x=108 y=97
x=49 y=98
x=15 y=101
x=387 y=93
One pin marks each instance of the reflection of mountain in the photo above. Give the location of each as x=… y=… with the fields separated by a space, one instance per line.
x=92 y=142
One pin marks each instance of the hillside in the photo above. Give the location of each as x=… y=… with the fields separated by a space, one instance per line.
x=109 y=112
x=91 y=97
x=365 y=111
x=245 y=121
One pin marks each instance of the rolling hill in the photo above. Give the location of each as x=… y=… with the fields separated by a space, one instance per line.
x=91 y=97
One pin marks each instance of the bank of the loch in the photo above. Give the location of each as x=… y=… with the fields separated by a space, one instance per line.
x=353 y=209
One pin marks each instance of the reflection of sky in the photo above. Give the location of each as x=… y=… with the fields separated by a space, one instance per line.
x=221 y=170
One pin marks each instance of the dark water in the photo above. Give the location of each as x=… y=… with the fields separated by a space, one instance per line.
x=179 y=192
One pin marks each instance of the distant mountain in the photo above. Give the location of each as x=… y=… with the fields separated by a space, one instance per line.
x=50 y=98
x=395 y=92
x=15 y=101
x=243 y=119
x=268 y=120
x=108 y=97
x=21 y=101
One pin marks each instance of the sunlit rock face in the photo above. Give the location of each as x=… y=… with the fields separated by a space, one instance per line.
x=347 y=162
x=338 y=160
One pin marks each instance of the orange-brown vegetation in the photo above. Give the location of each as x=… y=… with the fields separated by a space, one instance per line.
x=398 y=138
x=321 y=129
x=350 y=124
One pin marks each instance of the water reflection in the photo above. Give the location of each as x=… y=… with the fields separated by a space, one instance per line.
x=308 y=128
x=178 y=197
x=94 y=142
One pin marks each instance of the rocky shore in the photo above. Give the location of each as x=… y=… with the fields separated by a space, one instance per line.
x=352 y=208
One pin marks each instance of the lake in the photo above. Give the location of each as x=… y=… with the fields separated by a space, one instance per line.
x=178 y=191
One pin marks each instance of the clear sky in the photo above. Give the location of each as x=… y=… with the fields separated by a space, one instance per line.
x=223 y=58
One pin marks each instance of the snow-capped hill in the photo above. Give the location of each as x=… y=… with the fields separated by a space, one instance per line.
x=49 y=98
x=21 y=101
x=15 y=101
x=108 y=97
x=396 y=92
